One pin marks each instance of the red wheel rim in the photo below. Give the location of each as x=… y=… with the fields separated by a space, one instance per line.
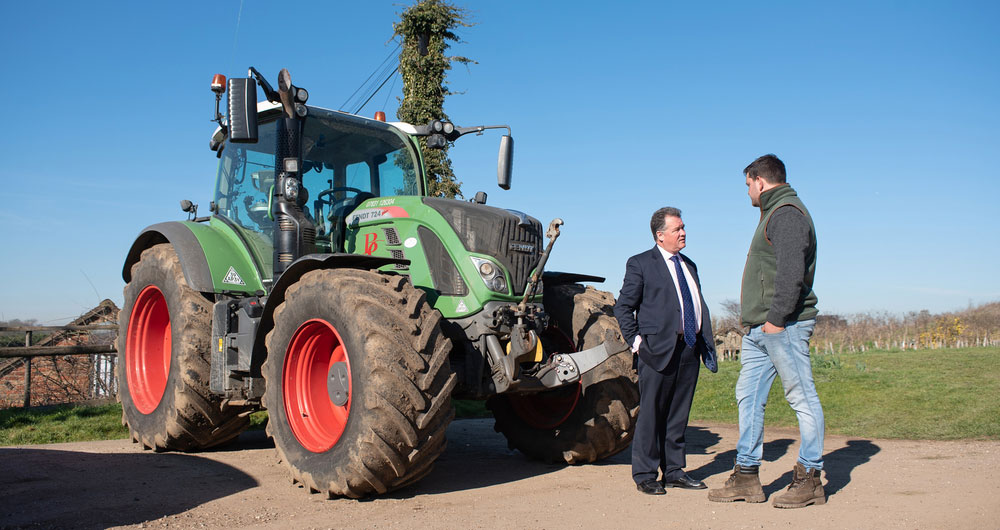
x=316 y=421
x=547 y=410
x=147 y=349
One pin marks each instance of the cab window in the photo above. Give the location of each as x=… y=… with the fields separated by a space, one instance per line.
x=345 y=161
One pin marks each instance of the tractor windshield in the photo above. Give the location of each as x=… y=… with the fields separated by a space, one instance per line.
x=345 y=160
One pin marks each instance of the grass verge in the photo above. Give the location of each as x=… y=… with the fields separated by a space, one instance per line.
x=63 y=423
x=943 y=394
x=925 y=394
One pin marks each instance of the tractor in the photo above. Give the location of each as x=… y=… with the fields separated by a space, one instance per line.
x=330 y=289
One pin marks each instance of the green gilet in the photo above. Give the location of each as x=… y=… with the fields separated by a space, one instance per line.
x=761 y=267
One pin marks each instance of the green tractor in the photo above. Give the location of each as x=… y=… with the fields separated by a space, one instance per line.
x=329 y=289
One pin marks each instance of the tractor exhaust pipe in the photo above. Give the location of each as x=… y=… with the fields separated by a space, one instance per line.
x=294 y=234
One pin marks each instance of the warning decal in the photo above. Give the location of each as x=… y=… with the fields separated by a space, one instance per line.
x=233 y=278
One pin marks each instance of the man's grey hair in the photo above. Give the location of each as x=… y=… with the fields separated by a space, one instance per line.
x=659 y=222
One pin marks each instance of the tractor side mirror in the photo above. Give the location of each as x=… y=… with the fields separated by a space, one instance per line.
x=242 y=110
x=505 y=161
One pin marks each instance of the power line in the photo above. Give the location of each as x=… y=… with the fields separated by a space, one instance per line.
x=99 y=297
x=375 y=84
x=236 y=35
x=379 y=73
x=389 y=92
x=391 y=76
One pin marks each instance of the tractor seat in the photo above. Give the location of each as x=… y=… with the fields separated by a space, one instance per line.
x=338 y=217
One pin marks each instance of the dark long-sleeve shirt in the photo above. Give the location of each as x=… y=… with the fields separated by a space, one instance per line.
x=788 y=231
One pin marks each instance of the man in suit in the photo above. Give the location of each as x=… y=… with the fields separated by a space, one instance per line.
x=663 y=316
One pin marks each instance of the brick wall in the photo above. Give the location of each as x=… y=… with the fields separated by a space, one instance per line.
x=57 y=379
x=60 y=379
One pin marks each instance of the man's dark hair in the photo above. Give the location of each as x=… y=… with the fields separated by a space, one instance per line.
x=658 y=223
x=768 y=167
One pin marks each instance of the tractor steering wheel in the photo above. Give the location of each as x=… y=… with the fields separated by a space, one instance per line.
x=325 y=197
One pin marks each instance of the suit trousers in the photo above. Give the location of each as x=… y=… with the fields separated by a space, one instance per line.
x=664 y=406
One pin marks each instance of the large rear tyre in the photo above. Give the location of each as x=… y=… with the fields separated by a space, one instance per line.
x=358 y=382
x=585 y=422
x=164 y=353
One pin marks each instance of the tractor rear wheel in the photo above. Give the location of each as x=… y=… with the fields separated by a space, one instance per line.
x=164 y=354
x=358 y=382
x=580 y=423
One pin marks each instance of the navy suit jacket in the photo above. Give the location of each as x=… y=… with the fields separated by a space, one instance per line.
x=648 y=305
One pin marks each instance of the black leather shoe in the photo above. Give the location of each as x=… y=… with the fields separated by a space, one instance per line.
x=686 y=482
x=651 y=487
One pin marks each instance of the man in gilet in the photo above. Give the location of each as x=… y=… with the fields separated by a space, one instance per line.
x=778 y=306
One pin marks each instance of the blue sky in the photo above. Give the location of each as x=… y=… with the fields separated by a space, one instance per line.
x=886 y=114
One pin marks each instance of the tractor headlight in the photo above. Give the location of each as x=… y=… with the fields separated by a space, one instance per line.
x=291 y=188
x=491 y=274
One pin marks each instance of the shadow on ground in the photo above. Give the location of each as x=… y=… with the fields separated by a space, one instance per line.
x=476 y=457
x=701 y=439
x=837 y=467
x=120 y=488
x=475 y=441
x=837 y=464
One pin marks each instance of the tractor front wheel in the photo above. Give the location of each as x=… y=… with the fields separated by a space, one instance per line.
x=164 y=352
x=358 y=382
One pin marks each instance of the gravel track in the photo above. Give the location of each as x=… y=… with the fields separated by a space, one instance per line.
x=478 y=483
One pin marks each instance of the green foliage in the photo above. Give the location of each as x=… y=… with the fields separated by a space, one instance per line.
x=920 y=394
x=63 y=423
x=469 y=408
x=424 y=86
x=825 y=361
x=16 y=338
x=70 y=423
x=258 y=420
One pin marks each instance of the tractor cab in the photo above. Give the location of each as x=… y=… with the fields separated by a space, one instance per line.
x=346 y=160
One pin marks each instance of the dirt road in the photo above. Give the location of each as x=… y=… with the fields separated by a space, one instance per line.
x=478 y=483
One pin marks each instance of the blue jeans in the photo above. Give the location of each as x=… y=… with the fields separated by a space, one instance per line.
x=785 y=354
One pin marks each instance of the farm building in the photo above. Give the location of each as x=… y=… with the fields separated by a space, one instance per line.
x=59 y=379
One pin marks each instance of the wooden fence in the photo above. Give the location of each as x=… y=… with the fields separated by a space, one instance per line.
x=100 y=373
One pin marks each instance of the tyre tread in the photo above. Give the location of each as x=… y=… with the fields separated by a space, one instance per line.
x=198 y=419
x=410 y=407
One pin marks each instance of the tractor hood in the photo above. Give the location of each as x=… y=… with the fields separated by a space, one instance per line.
x=513 y=238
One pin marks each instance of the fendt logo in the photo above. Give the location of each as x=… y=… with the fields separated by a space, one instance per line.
x=522 y=247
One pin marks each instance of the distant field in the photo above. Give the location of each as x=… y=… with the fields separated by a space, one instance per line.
x=938 y=394
x=925 y=394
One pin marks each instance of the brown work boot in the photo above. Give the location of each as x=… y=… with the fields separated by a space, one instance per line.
x=743 y=485
x=806 y=488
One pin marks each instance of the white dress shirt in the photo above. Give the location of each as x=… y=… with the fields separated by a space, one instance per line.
x=692 y=286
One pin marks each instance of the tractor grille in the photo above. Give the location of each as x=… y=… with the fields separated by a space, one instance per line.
x=444 y=274
x=520 y=249
x=514 y=240
x=398 y=254
x=391 y=236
